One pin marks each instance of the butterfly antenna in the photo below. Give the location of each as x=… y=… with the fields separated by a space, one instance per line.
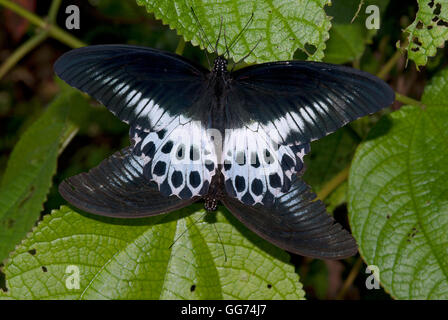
x=222 y=243
x=250 y=52
x=234 y=41
x=201 y=29
x=219 y=35
x=225 y=43
x=186 y=229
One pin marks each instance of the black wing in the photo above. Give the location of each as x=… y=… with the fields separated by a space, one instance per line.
x=302 y=101
x=144 y=87
x=117 y=188
x=297 y=223
x=162 y=96
x=277 y=109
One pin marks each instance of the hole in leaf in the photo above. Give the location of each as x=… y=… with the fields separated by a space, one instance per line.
x=32 y=252
x=431 y=4
x=310 y=48
x=442 y=23
x=3 y=281
x=416 y=41
x=269 y=286
x=192 y=288
x=44 y=269
x=438 y=9
x=435 y=19
x=419 y=25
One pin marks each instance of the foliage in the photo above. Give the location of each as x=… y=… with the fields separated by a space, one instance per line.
x=401 y=221
x=30 y=169
x=278 y=27
x=429 y=30
x=166 y=257
x=396 y=191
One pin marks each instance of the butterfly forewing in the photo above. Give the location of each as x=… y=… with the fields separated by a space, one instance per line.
x=144 y=87
x=280 y=108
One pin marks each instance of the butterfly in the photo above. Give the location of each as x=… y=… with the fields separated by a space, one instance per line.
x=235 y=137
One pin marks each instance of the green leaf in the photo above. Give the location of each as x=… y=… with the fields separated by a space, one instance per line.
x=280 y=27
x=136 y=259
x=31 y=166
x=398 y=198
x=349 y=39
x=328 y=157
x=429 y=30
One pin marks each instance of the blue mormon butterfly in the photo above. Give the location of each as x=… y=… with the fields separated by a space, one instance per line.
x=217 y=135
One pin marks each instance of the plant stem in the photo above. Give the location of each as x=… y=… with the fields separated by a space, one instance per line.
x=53 y=12
x=20 y=52
x=331 y=185
x=407 y=100
x=351 y=277
x=70 y=132
x=53 y=30
x=385 y=70
x=180 y=46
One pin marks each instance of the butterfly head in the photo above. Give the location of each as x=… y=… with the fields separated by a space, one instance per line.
x=220 y=66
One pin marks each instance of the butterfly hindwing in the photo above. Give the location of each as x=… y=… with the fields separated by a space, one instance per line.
x=180 y=159
x=298 y=223
x=117 y=188
x=257 y=169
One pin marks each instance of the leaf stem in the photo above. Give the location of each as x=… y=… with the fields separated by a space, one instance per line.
x=21 y=51
x=53 y=30
x=180 y=46
x=350 y=278
x=385 y=70
x=407 y=100
x=331 y=185
x=53 y=12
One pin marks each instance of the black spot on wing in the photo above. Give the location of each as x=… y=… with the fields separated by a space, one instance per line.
x=180 y=154
x=195 y=179
x=167 y=147
x=177 y=179
x=227 y=166
x=160 y=168
x=274 y=180
x=161 y=133
x=257 y=187
x=240 y=183
x=287 y=162
x=149 y=149
x=209 y=165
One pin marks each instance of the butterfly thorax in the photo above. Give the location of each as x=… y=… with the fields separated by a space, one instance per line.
x=215 y=192
x=220 y=76
x=220 y=66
